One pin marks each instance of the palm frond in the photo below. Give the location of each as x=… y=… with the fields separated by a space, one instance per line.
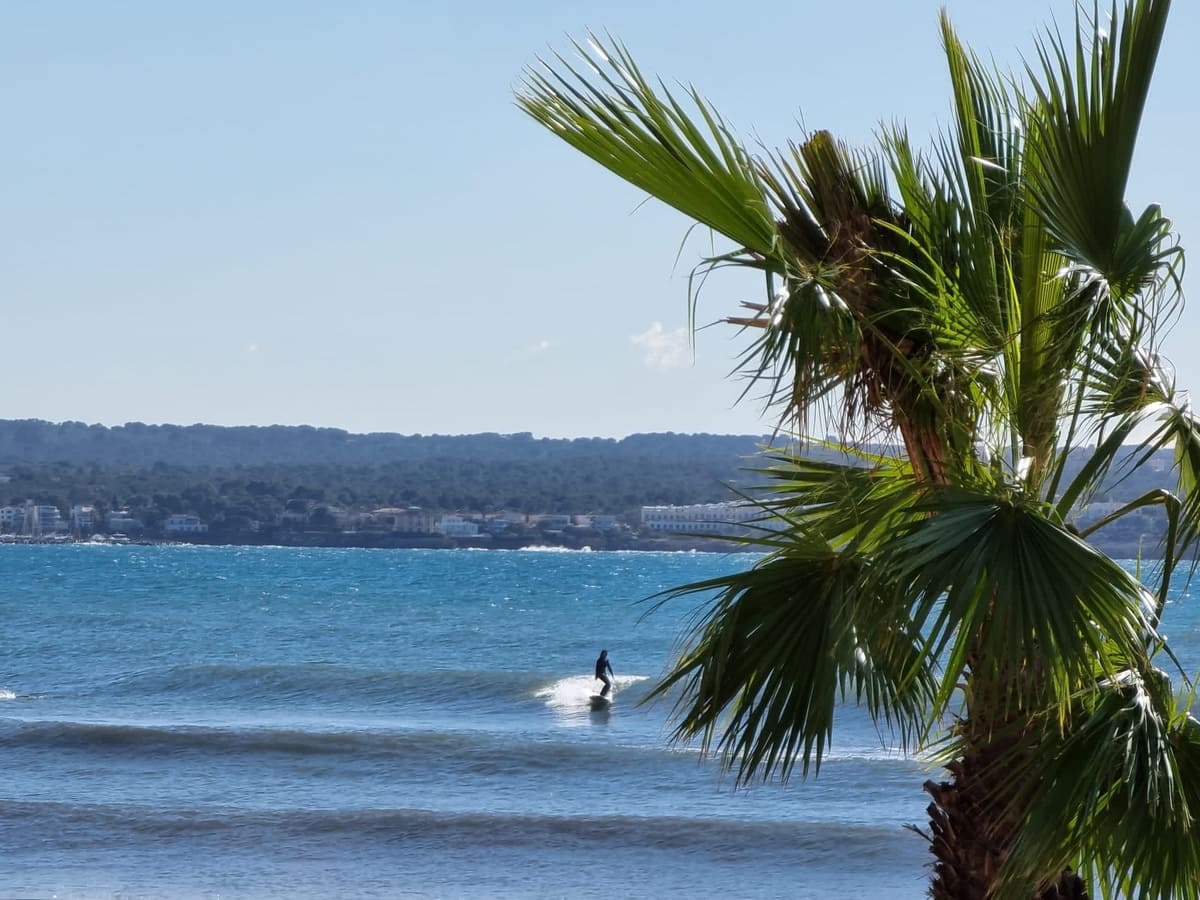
x=784 y=644
x=1120 y=389
x=844 y=505
x=994 y=583
x=1119 y=795
x=984 y=173
x=689 y=161
x=1088 y=101
x=806 y=347
x=935 y=256
x=835 y=219
x=1181 y=429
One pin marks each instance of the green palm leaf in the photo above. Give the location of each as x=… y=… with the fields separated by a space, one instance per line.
x=1119 y=797
x=841 y=505
x=993 y=584
x=782 y=646
x=1084 y=124
x=690 y=162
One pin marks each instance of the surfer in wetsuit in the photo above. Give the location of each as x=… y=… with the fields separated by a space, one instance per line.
x=603 y=666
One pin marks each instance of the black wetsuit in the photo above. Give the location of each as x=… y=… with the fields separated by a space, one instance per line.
x=602 y=664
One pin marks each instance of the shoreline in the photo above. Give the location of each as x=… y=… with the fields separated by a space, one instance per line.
x=1145 y=550
x=387 y=541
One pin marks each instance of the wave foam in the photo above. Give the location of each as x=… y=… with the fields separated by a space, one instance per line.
x=575 y=691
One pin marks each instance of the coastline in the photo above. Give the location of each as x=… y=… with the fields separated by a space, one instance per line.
x=392 y=541
x=588 y=540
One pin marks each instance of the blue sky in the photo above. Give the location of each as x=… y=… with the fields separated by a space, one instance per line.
x=333 y=214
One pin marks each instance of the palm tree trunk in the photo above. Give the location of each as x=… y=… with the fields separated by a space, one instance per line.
x=975 y=817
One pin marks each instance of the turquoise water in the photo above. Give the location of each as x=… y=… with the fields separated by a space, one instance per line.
x=261 y=723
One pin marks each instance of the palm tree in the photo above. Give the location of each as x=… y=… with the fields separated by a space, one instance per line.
x=993 y=307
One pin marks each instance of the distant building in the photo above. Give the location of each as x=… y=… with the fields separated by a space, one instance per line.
x=12 y=518
x=553 y=522
x=457 y=526
x=120 y=521
x=42 y=520
x=83 y=518
x=407 y=520
x=181 y=524
x=700 y=518
x=496 y=525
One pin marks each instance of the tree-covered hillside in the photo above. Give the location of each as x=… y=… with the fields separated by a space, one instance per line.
x=235 y=477
x=230 y=475
x=136 y=444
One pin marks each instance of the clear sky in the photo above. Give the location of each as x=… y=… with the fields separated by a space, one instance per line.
x=331 y=213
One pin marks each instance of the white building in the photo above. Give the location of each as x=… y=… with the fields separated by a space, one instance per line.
x=41 y=520
x=83 y=518
x=700 y=518
x=181 y=524
x=12 y=518
x=457 y=526
x=407 y=520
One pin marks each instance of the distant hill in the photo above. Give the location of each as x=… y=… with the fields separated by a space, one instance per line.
x=136 y=444
x=234 y=476
x=214 y=471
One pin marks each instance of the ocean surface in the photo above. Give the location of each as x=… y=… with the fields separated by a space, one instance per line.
x=198 y=722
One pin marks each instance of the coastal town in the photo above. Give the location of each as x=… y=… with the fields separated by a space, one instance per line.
x=693 y=525
x=696 y=526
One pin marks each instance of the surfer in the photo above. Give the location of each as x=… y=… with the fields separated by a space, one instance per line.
x=603 y=666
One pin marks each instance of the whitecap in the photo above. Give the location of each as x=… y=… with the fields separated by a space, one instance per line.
x=575 y=691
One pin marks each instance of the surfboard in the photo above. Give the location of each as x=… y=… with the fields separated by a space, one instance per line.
x=599 y=702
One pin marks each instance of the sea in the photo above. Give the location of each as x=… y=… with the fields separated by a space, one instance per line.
x=224 y=722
